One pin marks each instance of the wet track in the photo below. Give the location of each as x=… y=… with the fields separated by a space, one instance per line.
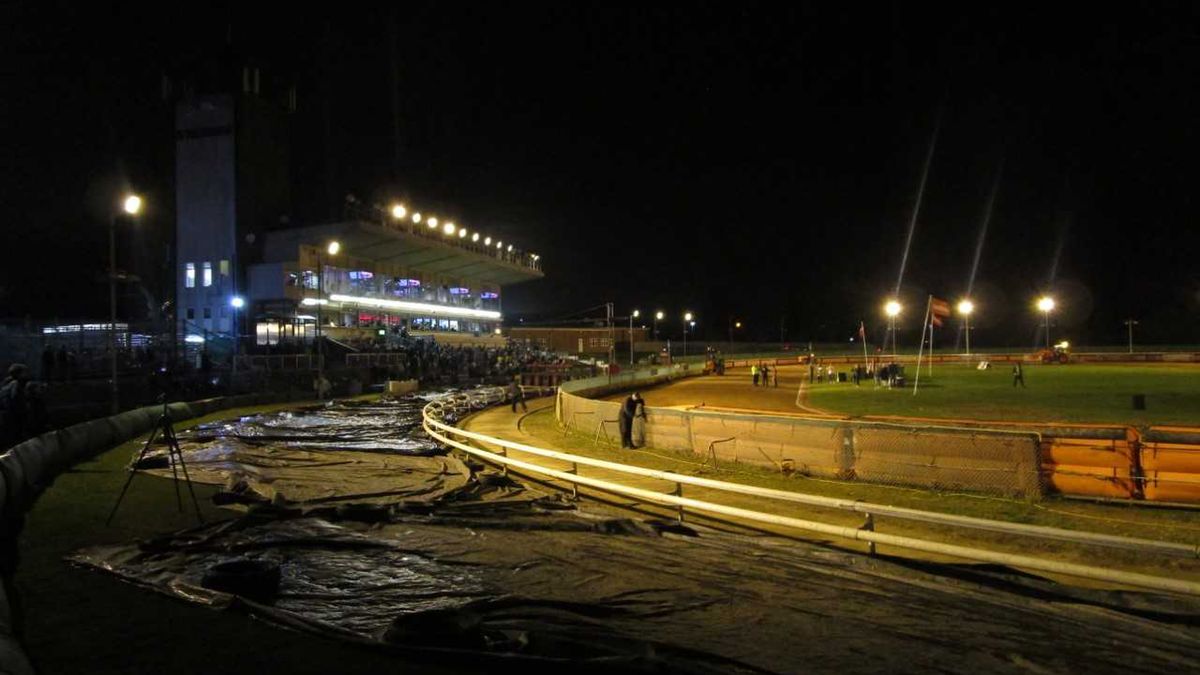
x=437 y=558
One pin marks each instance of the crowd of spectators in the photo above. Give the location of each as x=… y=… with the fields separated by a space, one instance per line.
x=430 y=361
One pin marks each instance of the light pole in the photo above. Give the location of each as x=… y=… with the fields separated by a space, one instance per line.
x=965 y=308
x=333 y=249
x=1046 y=304
x=237 y=302
x=632 y=316
x=657 y=317
x=733 y=324
x=687 y=319
x=1130 y=323
x=892 y=309
x=131 y=205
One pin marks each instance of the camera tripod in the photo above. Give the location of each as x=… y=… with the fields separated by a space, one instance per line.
x=174 y=457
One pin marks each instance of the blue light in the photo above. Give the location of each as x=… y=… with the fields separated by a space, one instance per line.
x=237 y=302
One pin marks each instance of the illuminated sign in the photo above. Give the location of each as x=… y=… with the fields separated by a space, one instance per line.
x=407 y=283
x=359 y=275
x=488 y=295
x=460 y=291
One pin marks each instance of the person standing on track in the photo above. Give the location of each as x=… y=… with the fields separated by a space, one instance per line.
x=754 y=373
x=631 y=407
x=517 y=394
x=1018 y=375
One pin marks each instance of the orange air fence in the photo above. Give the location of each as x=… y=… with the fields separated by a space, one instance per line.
x=1158 y=464
x=1137 y=467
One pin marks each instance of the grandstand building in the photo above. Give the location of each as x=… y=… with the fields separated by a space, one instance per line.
x=243 y=268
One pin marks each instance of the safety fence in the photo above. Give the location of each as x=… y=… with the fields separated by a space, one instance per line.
x=1155 y=464
x=929 y=456
x=540 y=462
x=1159 y=464
x=950 y=358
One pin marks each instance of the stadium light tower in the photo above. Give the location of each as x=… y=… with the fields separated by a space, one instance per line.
x=332 y=249
x=1046 y=304
x=1130 y=323
x=632 y=315
x=892 y=309
x=131 y=205
x=965 y=307
x=657 y=317
x=687 y=320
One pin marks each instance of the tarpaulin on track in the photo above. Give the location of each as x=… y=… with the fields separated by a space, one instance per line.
x=484 y=567
x=347 y=452
x=553 y=585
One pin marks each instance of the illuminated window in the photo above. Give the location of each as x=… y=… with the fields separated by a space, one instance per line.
x=189 y=279
x=224 y=267
x=208 y=274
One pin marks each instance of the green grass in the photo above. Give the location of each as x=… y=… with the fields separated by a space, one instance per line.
x=1053 y=393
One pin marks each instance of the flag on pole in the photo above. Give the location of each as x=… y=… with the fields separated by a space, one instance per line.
x=938 y=309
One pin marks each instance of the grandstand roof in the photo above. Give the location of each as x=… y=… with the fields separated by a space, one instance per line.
x=412 y=246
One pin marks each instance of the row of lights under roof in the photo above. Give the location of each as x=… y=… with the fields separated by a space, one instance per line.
x=400 y=212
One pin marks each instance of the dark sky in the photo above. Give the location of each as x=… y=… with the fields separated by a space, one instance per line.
x=734 y=159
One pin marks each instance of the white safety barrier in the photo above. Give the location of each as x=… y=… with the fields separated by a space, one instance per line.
x=435 y=426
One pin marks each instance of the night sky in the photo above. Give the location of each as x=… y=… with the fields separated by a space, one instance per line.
x=736 y=160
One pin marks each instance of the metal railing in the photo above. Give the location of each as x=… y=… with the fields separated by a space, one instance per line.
x=274 y=362
x=435 y=426
x=377 y=359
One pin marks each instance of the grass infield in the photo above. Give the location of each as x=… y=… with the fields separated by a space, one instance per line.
x=1052 y=393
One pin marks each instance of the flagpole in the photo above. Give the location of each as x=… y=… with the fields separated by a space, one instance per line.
x=921 y=348
x=931 y=344
x=862 y=335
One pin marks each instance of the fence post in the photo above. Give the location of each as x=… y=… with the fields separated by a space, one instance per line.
x=846 y=456
x=869 y=526
x=679 y=493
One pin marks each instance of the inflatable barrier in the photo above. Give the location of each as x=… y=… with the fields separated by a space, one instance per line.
x=1167 y=486
x=1088 y=481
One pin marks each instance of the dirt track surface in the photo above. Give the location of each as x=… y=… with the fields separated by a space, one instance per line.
x=733 y=390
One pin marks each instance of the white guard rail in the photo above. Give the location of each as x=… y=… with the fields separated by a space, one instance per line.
x=433 y=415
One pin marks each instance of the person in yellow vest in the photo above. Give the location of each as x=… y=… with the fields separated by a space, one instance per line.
x=754 y=373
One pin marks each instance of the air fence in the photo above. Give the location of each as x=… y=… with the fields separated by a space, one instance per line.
x=929 y=456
